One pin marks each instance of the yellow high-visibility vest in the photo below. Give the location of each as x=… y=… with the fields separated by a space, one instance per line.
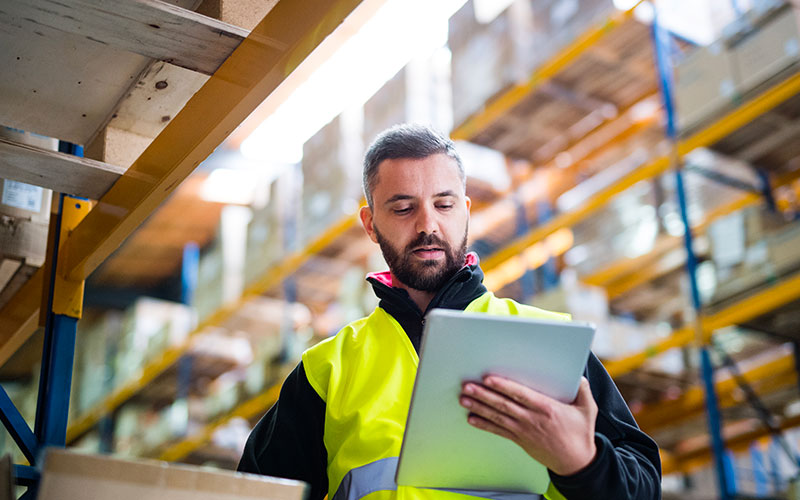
x=365 y=375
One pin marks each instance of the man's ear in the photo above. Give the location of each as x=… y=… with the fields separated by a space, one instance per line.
x=366 y=220
x=469 y=202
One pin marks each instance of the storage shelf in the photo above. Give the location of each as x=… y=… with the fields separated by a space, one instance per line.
x=762 y=302
x=152 y=370
x=109 y=40
x=501 y=105
x=718 y=130
x=248 y=410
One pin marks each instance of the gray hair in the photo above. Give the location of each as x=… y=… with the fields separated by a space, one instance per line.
x=407 y=140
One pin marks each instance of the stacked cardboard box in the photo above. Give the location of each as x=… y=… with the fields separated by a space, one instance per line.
x=331 y=174
x=93 y=366
x=24 y=220
x=755 y=50
x=705 y=84
x=267 y=240
x=67 y=475
x=419 y=93
x=148 y=328
x=750 y=248
x=770 y=45
x=489 y=57
x=614 y=337
x=207 y=296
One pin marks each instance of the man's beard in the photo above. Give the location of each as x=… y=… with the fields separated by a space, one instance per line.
x=425 y=275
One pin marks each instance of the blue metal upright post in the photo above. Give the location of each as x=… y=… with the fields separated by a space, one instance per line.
x=190 y=266
x=58 y=352
x=766 y=189
x=722 y=462
x=528 y=279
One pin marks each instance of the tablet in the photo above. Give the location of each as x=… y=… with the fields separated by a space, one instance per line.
x=440 y=449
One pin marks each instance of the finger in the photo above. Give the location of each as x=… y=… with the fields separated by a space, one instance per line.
x=486 y=425
x=494 y=399
x=520 y=394
x=488 y=413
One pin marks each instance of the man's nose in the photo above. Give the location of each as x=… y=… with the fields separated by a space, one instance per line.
x=426 y=221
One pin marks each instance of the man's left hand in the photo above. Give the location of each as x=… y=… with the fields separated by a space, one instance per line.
x=558 y=435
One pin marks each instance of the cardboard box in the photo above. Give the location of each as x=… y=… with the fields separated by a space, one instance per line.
x=705 y=84
x=486 y=57
x=331 y=174
x=266 y=236
x=489 y=57
x=419 y=93
x=770 y=49
x=24 y=209
x=73 y=476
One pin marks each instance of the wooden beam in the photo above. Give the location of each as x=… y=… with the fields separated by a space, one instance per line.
x=19 y=318
x=151 y=28
x=272 y=51
x=248 y=77
x=60 y=172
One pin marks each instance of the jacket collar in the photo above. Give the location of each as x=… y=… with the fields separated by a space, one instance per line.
x=462 y=288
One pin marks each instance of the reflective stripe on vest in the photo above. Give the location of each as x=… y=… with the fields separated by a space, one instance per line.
x=379 y=476
x=365 y=375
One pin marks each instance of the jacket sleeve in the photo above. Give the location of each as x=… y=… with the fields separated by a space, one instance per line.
x=627 y=464
x=287 y=441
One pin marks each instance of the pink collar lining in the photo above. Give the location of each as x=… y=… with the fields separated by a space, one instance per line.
x=385 y=277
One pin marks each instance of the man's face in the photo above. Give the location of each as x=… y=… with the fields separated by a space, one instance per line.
x=420 y=219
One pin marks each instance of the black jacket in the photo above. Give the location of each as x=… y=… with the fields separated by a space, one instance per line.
x=287 y=442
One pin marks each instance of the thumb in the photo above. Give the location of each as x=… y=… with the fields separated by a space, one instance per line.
x=584 y=398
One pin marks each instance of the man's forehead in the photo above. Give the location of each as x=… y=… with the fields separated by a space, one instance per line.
x=432 y=171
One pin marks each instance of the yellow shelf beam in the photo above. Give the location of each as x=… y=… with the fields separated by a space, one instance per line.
x=729 y=123
x=505 y=102
x=19 y=318
x=247 y=410
x=765 y=378
x=690 y=461
x=750 y=308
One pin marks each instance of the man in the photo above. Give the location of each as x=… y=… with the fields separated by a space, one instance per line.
x=339 y=422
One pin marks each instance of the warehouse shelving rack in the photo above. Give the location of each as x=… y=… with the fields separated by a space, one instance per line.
x=779 y=294
x=84 y=238
x=277 y=273
x=763 y=302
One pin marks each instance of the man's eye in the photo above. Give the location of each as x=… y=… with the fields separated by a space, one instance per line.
x=445 y=207
x=401 y=211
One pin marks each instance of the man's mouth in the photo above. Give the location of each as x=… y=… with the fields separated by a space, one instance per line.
x=428 y=253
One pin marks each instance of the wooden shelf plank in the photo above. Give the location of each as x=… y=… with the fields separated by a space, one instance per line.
x=152 y=28
x=60 y=172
